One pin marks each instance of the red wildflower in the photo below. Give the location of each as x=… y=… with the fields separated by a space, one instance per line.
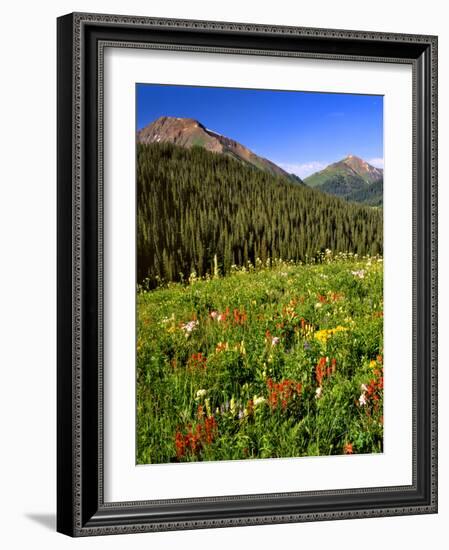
x=347 y=449
x=221 y=346
x=197 y=360
x=222 y=317
x=273 y=400
x=210 y=427
x=240 y=317
x=320 y=370
x=374 y=392
x=336 y=296
x=194 y=440
x=323 y=369
x=332 y=368
x=282 y=392
x=179 y=443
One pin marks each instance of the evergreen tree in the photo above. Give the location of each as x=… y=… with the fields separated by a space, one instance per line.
x=193 y=205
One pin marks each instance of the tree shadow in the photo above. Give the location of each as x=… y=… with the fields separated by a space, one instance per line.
x=46 y=520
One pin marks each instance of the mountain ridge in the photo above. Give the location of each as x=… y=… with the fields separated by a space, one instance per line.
x=189 y=132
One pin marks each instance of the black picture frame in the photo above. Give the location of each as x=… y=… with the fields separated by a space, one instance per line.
x=81 y=510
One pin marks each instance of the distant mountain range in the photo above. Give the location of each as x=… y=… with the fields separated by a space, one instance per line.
x=188 y=132
x=351 y=178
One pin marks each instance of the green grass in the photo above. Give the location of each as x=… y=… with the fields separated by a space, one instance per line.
x=318 y=178
x=283 y=360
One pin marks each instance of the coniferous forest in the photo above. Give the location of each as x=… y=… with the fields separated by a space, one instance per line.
x=193 y=205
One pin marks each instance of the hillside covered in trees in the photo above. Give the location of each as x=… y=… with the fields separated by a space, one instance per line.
x=193 y=205
x=351 y=178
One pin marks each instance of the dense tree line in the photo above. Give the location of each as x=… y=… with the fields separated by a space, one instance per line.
x=342 y=185
x=372 y=194
x=354 y=189
x=193 y=205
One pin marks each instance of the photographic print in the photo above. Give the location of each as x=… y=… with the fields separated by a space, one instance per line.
x=259 y=243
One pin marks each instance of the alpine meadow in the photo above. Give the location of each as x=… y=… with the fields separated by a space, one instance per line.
x=259 y=279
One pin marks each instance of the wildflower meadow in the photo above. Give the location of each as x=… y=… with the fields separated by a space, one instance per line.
x=276 y=359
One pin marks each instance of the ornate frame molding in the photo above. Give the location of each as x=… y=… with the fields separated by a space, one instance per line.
x=81 y=42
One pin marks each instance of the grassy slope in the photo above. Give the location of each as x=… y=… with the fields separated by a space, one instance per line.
x=244 y=385
x=318 y=178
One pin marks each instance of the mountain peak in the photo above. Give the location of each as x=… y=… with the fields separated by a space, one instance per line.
x=185 y=121
x=189 y=132
x=362 y=168
x=352 y=157
x=167 y=123
x=352 y=178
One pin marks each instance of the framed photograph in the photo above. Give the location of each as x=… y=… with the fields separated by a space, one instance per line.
x=247 y=274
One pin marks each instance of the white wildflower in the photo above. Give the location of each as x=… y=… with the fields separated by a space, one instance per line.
x=200 y=393
x=318 y=392
x=258 y=400
x=362 y=400
x=189 y=327
x=166 y=320
x=359 y=273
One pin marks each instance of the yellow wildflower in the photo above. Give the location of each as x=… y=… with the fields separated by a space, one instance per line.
x=323 y=335
x=232 y=405
x=208 y=408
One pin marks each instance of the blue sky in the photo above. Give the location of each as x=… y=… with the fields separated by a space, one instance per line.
x=301 y=131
